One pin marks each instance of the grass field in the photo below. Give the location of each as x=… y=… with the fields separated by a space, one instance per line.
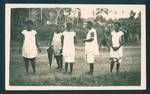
x=129 y=74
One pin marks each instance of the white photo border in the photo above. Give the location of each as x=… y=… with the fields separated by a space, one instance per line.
x=8 y=8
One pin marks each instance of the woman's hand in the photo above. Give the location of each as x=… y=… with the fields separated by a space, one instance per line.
x=60 y=50
x=39 y=50
x=115 y=48
x=51 y=46
x=84 y=41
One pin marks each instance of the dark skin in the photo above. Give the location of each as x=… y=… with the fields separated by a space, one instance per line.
x=62 y=38
x=66 y=64
x=57 y=31
x=22 y=40
x=29 y=28
x=37 y=44
x=90 y=39
x=58 y=58
x=122 y=42
x=92 y=35
x=89 y=27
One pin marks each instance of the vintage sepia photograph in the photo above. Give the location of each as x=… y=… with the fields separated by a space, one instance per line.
x=75 y=47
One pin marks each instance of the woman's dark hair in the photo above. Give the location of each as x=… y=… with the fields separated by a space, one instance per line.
x=90 y=23
x=69 y=25
x=57 y=27
x=118 y=23
x=29 y=22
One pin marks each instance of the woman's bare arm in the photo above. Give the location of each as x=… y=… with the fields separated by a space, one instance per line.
x=90 y=39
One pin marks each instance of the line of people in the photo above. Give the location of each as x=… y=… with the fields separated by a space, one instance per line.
x=63 y=46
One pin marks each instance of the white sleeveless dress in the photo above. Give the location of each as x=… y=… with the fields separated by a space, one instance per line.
x=91 y=48
x=29 y=49
x=69 y=47
x=116 y=36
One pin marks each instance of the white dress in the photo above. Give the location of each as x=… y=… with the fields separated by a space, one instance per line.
x=56 y=42
x=116 y=37
x=29 y=49
x=91 y=48
x=69 y=47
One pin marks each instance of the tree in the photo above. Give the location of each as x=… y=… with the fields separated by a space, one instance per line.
x=19 y=16
x=132 y=27
x=99 y=11
x=67 y=13
x=102 y=26
x=35 y=15
x=79 y=15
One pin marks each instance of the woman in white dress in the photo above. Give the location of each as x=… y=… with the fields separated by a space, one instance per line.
x=69 y=47
x=30 y=46
x=116 y=50
x=91 y=46
x=57 y=47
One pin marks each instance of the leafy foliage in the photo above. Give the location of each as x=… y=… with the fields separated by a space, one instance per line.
x=46 y=19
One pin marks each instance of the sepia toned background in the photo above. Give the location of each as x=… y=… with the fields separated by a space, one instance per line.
x=46 y=19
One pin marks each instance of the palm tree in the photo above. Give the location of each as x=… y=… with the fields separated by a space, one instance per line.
x=99 y=14
x=34 y=14
x=58 y=10
x=67 y=13
x=102 y=28
x=99 y=11
x=79 y=15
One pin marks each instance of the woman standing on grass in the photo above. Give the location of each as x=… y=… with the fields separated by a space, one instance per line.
x=30 y=46
x=57 y=46
x=69 y=47
x=116 y=50
x=91 y=46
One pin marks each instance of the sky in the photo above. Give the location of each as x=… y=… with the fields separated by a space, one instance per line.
x=116 y=12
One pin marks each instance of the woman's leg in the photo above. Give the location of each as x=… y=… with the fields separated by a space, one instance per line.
x=91 y=60
x=71 y=68
x=66 y=66
x=61 y=61
x=33 y=65
x=91 y=68
x=58 y=62
x=118 y=65
x=26 y=60
x=111 y=65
